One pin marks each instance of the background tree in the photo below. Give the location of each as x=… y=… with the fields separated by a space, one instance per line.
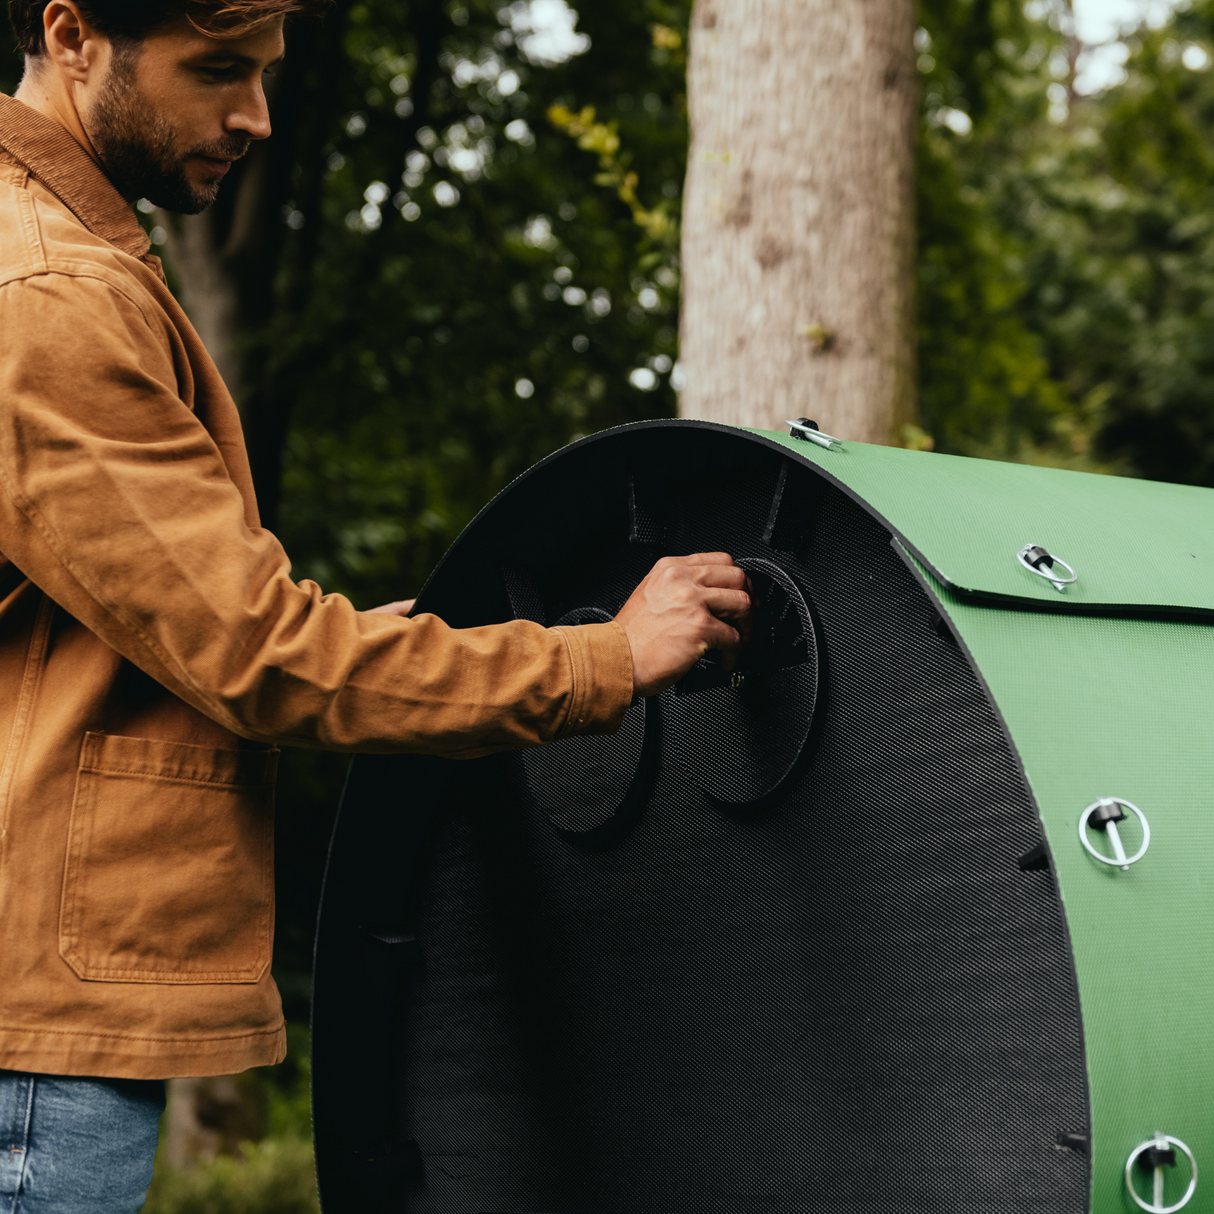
x=412 y=159
x=1065 y=244
x=798 y=235
x=1128 y=304
x=986 y=382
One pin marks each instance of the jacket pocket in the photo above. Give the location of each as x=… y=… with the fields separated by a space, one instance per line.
x=170 y=863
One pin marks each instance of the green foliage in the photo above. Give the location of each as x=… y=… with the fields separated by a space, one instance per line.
x=603 y=138
x=985 y=381
x=445 y=348
x=1137 y=289
x=1065 y=288
x=274 y=1176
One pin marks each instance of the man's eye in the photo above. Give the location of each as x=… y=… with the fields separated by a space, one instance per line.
x=220 y=73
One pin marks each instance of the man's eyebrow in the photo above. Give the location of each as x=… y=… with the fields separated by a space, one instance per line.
x=233 y=57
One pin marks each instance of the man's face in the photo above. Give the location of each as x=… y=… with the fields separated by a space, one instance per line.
x=172 y=114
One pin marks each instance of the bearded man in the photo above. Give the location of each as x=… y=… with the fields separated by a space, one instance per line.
x=153 y=647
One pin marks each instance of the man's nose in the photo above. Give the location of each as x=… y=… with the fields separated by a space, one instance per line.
x=252 y=116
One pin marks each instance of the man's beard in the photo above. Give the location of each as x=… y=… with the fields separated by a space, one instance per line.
x=140 y=149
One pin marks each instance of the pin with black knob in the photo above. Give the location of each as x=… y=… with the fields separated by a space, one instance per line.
x=807 y=429
x=1154 y=1157
x=1043 y=563
x=1157 y=1157
x=1103 y=815
x=1106 y=813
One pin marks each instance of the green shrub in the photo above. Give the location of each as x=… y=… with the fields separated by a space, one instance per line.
x=274 y=1176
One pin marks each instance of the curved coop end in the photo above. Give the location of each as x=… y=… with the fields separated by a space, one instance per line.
x=823 y=933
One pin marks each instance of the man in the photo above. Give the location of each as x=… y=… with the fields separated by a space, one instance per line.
x=153 y=648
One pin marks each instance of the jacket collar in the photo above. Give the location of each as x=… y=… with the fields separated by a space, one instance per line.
x=51 y=155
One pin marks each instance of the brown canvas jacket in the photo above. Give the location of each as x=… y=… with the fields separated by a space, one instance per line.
x=154 y=650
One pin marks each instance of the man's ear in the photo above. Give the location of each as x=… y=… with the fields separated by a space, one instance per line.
x=72 y=44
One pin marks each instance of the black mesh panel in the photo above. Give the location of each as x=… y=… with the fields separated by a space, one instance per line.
x=851 y=999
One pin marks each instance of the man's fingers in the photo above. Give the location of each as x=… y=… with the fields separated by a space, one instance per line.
x=721 y=575
x=727 y=604
x=685 y=606
x=720 y=636
x=698 y=558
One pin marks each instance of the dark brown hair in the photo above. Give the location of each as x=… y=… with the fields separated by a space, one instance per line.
x=130 y=21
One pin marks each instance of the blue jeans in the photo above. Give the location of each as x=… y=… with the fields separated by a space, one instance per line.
x=76 y=1146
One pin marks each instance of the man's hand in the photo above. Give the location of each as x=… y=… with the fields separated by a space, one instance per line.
x=401 y=608
x=685 y=606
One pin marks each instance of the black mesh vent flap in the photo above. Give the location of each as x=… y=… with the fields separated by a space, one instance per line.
x=590 y=787
x=749 y=727
x=848 y=996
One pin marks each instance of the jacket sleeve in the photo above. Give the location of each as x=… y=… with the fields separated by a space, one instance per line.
x=116 y=501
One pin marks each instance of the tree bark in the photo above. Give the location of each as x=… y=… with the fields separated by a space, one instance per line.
x=243 y=282
x=798 y=216
x=227 y=263
x=212 y=1116
x=228 y=260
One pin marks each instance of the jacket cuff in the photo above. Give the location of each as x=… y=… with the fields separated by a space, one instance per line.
x=602 y=678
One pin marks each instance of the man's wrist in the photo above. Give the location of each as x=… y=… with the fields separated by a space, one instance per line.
x=602 y=677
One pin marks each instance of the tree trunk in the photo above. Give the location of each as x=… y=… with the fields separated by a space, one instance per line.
x=225 y=265
x=212 y=1116
x=245 y=286
x=228 y=261
x=244 y=283
x=798 y=228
